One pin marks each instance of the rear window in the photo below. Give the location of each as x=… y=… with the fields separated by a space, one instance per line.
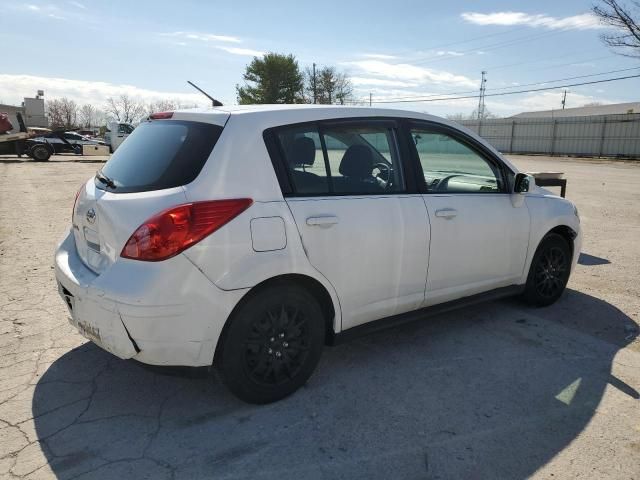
x=160 y=154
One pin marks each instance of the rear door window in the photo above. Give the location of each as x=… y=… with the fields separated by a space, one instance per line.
x=160 y=154
x=350 y=159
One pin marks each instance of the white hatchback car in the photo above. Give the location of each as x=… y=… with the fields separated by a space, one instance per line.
x=248 y=237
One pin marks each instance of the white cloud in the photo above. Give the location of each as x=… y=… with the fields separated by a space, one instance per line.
x=15 y=87
x=411 y=73
x=580 y=22
x=583 y=64
x=449 y=53
x=551 y=101
x=381 y=82
x=379 y=56
x=241 y=51
x=48 y=10
x=78 y=4
x=203 y=37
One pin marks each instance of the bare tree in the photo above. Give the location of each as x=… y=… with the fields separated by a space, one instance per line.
x=87 y=114
x=458 y=116
x=62 y=113
x=486 y=114
x=166 y=105
x=125 y=109
x=331 y=86
x=472 y=116
x=69 y=112
x=54 y=113
x=625 y=20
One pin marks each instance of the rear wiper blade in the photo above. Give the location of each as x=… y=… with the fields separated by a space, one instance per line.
x=104 y=179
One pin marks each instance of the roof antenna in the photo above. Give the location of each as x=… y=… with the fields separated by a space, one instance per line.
x=214 y=102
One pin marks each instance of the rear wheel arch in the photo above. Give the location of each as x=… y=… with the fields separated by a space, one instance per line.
x=313 y=286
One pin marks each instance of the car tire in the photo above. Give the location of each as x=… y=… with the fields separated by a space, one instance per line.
x=40 y=153
x=272 y=344
x=549 y=271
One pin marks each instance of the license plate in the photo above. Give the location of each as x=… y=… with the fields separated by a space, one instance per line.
x=89 y=331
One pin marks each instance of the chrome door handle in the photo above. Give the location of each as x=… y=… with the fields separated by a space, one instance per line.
x=323 y=221
x=446 y=213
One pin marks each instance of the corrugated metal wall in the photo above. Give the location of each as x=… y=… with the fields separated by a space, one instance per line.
x=598 y=135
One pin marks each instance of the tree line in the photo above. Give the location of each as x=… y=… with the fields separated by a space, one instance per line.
x=277 y=78
x=66 y=113
x=274 y=78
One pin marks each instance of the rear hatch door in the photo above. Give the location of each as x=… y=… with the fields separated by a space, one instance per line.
x=145 y=176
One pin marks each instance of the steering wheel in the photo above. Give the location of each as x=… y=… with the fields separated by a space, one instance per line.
x=386 y=172
x=442 y=184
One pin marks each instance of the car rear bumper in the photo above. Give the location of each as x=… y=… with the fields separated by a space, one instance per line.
x=160 y=313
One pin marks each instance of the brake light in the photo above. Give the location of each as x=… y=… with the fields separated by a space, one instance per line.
x=170 y=232
x=161 y=115
x=75 y=200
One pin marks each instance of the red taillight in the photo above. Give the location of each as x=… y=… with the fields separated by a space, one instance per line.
x=170 y=232
x=75 y=200
x=161 y=115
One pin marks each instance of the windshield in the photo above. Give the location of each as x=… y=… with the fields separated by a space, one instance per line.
x=160 y=154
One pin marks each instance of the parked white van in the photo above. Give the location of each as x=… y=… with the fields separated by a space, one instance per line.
x=249 y=237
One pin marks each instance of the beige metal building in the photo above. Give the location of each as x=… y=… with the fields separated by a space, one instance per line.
x=32 y=110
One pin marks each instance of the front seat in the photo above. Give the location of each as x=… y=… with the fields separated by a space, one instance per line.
x=356 y=168
x=302 y=154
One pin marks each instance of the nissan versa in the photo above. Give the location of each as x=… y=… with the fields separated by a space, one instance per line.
x=247 y=238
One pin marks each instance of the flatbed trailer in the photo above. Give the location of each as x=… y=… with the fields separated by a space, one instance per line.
x=21 y=142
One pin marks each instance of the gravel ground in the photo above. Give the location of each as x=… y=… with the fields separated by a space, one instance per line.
x=493 y=391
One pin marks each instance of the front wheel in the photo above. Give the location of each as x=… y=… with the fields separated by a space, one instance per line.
x=549 y=271
x=40 y=153
x=272 y=344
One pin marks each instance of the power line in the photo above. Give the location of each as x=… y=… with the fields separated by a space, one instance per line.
x=494 y=46
x=447 y=45
x=509 y=93
x=519 y=86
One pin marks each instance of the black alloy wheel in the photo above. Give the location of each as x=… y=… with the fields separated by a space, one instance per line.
x=277 y=345
x=272 y=344
x=549 y=272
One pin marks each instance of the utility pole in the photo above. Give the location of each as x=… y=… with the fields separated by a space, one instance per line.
x=564 y=99
x=314 y=83
x=481 y=98
x=370 y=98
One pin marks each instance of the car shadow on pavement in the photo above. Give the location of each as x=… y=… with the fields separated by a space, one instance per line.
x=491 y=391
x=591 y=260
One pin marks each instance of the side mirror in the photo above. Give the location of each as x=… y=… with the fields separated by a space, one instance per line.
x=523 y=183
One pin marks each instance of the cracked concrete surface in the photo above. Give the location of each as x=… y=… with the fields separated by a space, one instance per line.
x=494 y=391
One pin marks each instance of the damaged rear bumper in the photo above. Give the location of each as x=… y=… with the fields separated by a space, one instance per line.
x=159 y=313
x=95 y=317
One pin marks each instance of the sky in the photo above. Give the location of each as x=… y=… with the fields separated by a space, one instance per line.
x=91 y=50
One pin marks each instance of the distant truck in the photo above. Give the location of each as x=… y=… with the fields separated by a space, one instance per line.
x=116 y=134
x=65 y=142
x=20 y=141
